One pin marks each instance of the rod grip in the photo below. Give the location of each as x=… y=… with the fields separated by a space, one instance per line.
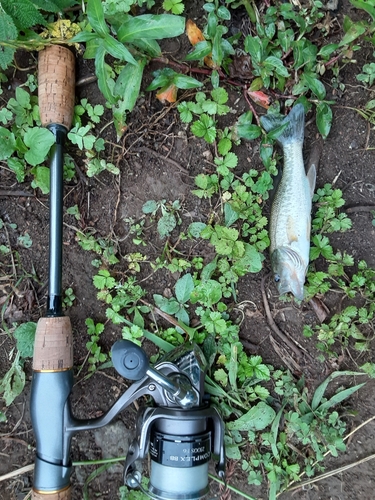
x=53 y=347
x=65 y=494
x=56 y=85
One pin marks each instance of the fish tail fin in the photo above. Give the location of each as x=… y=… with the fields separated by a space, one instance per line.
x=294 y=121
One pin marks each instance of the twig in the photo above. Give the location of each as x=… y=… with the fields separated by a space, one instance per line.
x=360 y=208
x=86 y=80
x=245 y=94
x=11 y=253
x=4 y=192
x=18 y=472
x=273 y=325
x=315 y=154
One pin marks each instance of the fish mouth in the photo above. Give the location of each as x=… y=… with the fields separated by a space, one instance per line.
x=294 y=287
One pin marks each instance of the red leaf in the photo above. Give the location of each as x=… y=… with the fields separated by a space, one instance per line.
x=260 y=98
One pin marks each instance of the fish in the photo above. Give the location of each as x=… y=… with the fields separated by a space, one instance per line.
x=290 y=220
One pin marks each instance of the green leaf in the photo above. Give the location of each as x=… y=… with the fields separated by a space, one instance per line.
x=151 y=26
x=83 y=36
x=17 y=166
x=245 y=129
x=340 y=396
x=230 y=215
x=150 y=207
x=323 y=119
x=13 y=382
x=321 y=389
x=253 y=46
x=315 y=85
x=102 y=75
x=95 y=15
x=9 y=33
x=186 y=82
x=183 y=288
x=201 y=50
x=128 y=84
x=24 y=14
x=41 y=179
x=39 y=141
x=256 y=419
x=148 y=46
x=169 y=306
x=166 y=224
x=219 y=95
x=25 y=336
x=276 y=64
x=366 y=5
x=356 y=30
x=196 y=228
x=205 y=127
x=7 y=143
x=221 y=376
x=117 y=50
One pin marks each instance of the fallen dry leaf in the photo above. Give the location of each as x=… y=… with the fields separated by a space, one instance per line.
x=194 y=34
x=260 y=98
x=168 y=95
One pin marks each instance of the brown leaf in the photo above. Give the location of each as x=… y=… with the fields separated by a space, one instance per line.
x=320 y=309
x=194 y=34
x=168 y=95
x=260 y=98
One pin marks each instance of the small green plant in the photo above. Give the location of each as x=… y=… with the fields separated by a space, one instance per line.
x=177 y=306
x=174 y=6
x=169 y=215
x=74 y=210
x=327 y=219
x=69 y=298
x=104 y=247
x=13 y=382
x=136 y=228
x=368 y=75
x=96 y=355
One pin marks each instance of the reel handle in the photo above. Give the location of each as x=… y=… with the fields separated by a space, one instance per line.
x=131 y=362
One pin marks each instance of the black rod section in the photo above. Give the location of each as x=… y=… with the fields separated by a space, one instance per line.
x=54 y=301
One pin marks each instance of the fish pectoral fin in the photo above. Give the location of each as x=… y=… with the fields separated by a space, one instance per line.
x=311 y=177
x=291 y=231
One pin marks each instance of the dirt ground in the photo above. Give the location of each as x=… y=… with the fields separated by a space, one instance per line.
x=158 y=158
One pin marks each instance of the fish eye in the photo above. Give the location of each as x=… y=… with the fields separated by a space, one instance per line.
x=277 y=278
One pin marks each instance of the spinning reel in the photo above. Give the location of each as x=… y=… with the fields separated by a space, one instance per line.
x=180 y=432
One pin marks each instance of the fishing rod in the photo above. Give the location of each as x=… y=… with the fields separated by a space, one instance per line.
x=52 y=380
x=180 y=431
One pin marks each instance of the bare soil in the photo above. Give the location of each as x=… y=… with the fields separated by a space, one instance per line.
x=158 y=158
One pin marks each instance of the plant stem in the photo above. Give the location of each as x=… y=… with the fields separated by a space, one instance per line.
x=232 y=488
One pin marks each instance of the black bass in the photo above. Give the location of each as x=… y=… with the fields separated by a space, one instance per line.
x=290 y=222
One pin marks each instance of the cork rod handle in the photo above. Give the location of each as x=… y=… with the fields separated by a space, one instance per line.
x=56 y=86
x=53 y=347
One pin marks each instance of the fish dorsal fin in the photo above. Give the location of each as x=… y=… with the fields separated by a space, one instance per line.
x=311 y=177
